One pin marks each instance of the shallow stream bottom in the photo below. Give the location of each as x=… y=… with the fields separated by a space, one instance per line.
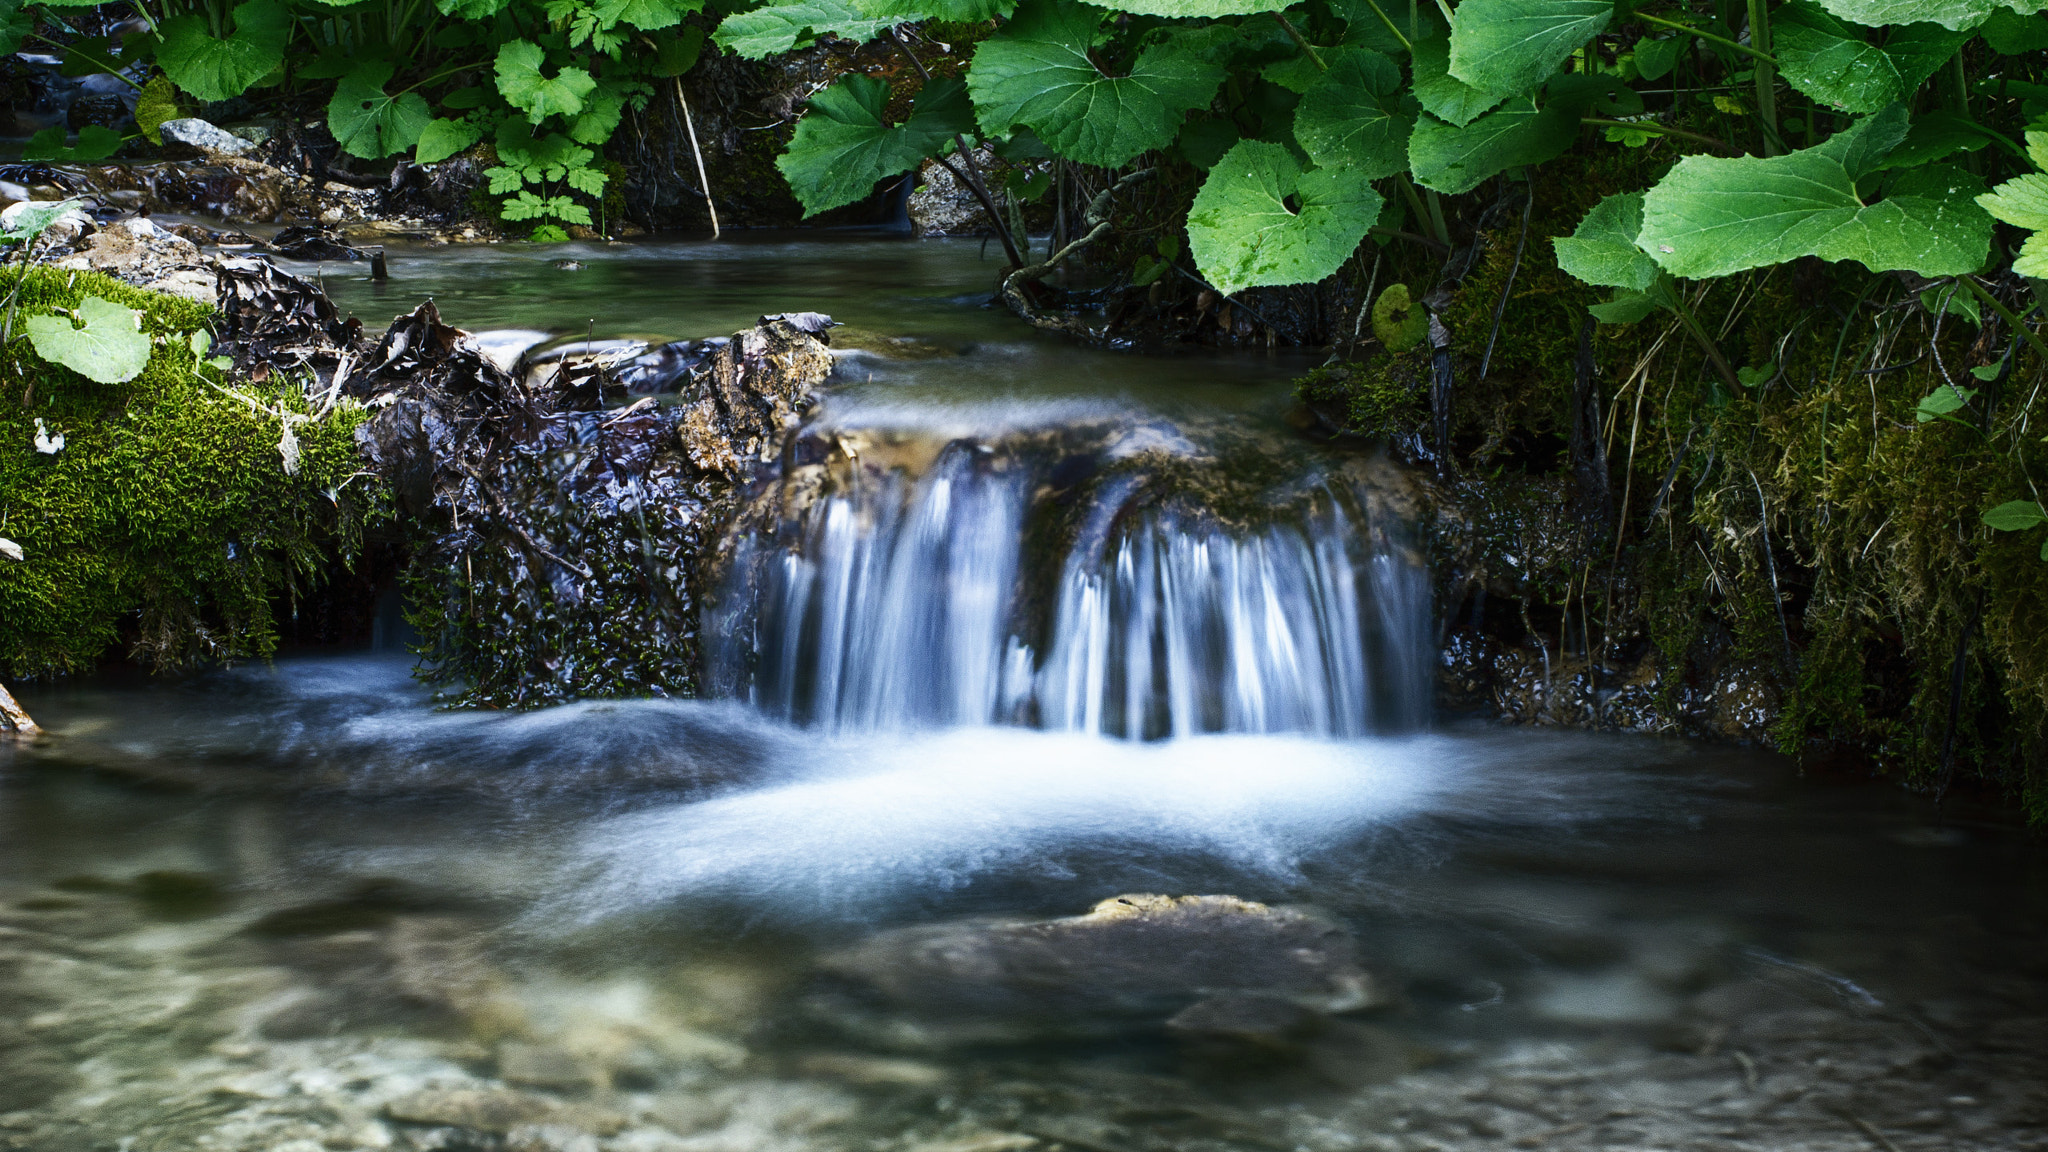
x=298 y=909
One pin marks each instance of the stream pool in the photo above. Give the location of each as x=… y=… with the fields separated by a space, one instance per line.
x=298 y=908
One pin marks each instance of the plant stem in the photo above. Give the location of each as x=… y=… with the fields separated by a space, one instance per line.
x=1391 y=26
x=1706 y=342
x=1766 y=76
x=1723 y=41
x=703 y=181
x=1301 y=41
x=2025 y=332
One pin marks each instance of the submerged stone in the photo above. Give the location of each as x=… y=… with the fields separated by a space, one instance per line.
x=1130 y=958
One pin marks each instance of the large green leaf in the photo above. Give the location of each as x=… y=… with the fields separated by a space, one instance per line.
x=1191 y=8
x=472 y=9
x=214 y=69
x=108 y=347
x=2010 y=33
x=952 y=11
x=776 y=28
x=1453 y=159
x=1834 y=63
x=1260 y=219
x=646 y=15
x=524 y=86
x=1603 y=251
x=1037 y=73
x=1509 y=47
x=1712 y=216
x=843 y=145
x=1352 y=118
x=369 y=122
x=1951 y=14
x=1441 y=94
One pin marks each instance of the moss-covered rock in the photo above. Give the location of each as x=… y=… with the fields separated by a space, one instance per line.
x=168 y=519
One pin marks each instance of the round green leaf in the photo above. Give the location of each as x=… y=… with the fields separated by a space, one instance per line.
x=525 y=87
x=371 y=124
x=107 y=347
x=214 y=69
x=1259 y=219
x=443 y=138
x=1509 y=47
x=1602 y=250
x=1397 y=320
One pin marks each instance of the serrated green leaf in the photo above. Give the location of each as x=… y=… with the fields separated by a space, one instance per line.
x=443 y=138
x=1656 y=58
x=843 y=145
x=109 y=347
x=647 y=15
x=1181 y=9
x=1935 y=136
x=599 y=118
x=94 y=143
x=1441 y=94
x=1941 y=402
x=1712 y=216
x=2021 y=201
x=1259 y=219
x=2016 y=516
x=779 y=28
x=1863 y=147
x=1835 y=64
x=1954 y=15
x=1037 y=73
x=524 y=86
x=213 y=69
x=1626 y=307
x=1398 y=322
x=2033 y=257
x=504 y=180
x=1510 y=47
x=588 y=181
x=472 y=9
x=951 y=11
x=1453 y=159
x=370 y=123
x=1367 y=26
x=678 y=51
x=1352 y=118
x=16 y=23
x=1602 y=250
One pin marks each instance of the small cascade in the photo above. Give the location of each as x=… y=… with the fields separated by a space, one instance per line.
x=909 y=603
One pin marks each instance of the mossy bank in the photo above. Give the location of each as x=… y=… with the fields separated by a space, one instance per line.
x=168 y=526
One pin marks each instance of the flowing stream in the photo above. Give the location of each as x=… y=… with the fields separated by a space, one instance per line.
x=1039 y=647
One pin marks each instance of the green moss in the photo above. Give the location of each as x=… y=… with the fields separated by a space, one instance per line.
x=1380 y=399
x=168 y=516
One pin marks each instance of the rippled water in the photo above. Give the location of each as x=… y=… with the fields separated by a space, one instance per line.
x=297 y=908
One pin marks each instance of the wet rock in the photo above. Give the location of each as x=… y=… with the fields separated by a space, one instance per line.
x=497 y=1110
x=549 y=1138
x=545 y=1066
x=942 y=206
x=553 y=508
x=139 y=252
x=304 y=242
x=1243 y=1017
x=1139 y=957
x=200 y=134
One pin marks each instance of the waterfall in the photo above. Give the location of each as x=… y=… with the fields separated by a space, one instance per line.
x=901 y=603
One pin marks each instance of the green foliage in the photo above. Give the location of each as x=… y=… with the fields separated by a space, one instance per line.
x=1836 y=64
x=1352 y=117
x=1261 y=219
x=157 y=104
x=774 y=28
x=214 y=68
x=1511 y=46
x=106 y=345
x=845 y=145
x=370 y=123
x=2023 y=202
x=1398 y=321
x=167 y=518
x=94 y=143
x=1038 y=74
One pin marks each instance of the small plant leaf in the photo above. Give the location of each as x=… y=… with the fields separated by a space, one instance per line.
x=1352 y=117
x=1942 y=401
x=1441 y=94
x=1452 y=159
x=442 y=138
x=215 y=69
x=1397 y=320
x=1509 y=47
x=843 y=145
x=1260 y=219
x=1602 y=250
x=370 y=123
x=777 y=28
x=108 y=347
x=1037 y=72
x=524 y=86
x=2016 y=516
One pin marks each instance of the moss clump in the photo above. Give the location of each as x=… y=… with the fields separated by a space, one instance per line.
x=1379 y=401
x=168 y=516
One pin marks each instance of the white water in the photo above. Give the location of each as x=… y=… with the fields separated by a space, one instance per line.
x=909 y=605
